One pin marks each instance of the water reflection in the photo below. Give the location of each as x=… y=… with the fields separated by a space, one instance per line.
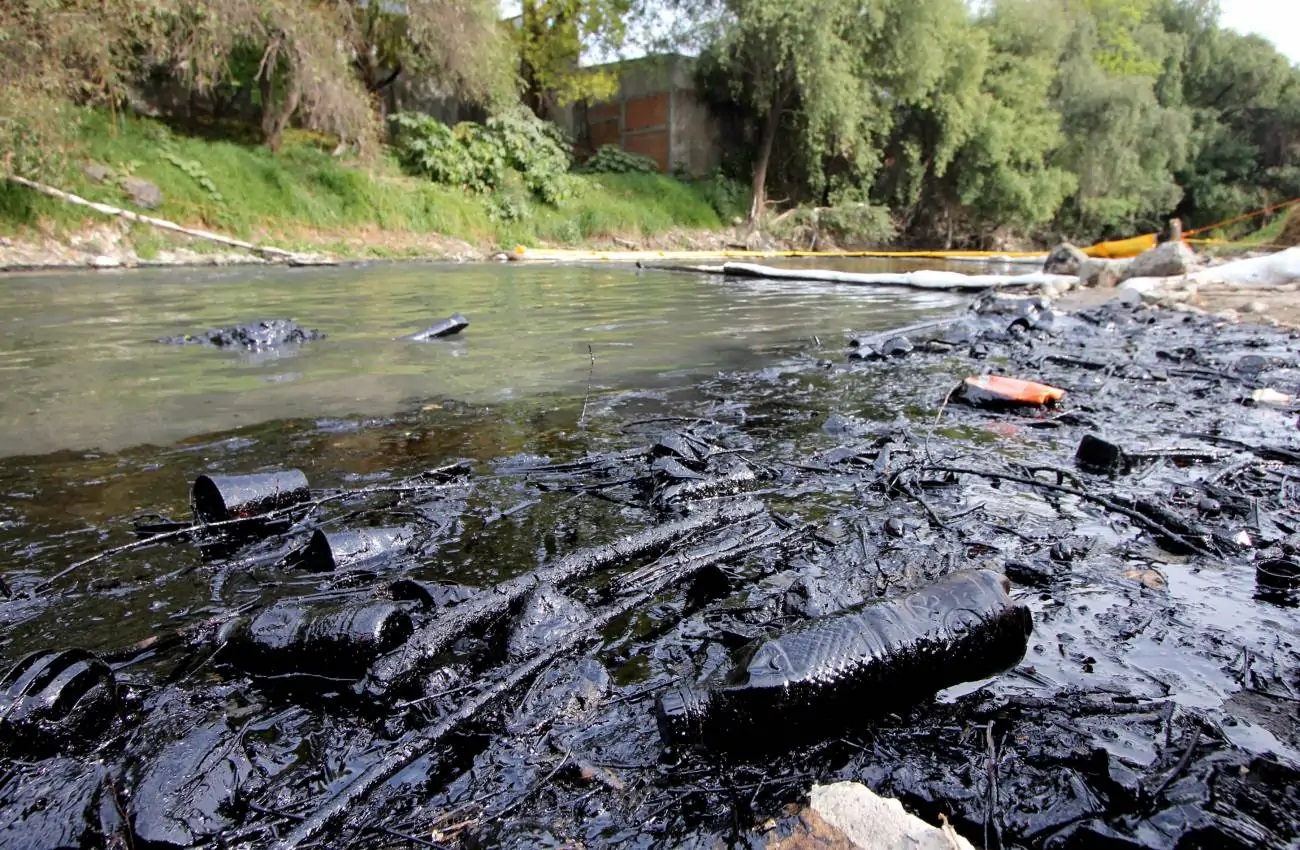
x=80 y=367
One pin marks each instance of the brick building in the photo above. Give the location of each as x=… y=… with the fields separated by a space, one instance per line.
x=656 y=113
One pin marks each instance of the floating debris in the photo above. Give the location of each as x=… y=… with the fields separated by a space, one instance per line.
x=254 y=336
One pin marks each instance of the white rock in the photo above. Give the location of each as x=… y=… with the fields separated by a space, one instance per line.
x=873 y=822
x=1142 y=285
x=1268 y=395
x=105 y=261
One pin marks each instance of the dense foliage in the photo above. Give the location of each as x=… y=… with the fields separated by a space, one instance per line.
x=943 y=121
x=550 y=40
x=512 y=146
x=611 y=159
x=1084 y=117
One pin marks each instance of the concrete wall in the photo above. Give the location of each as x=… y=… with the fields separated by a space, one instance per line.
x=655 y=113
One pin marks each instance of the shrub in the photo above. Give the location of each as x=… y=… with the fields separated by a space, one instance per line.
x=611 y=159
x=728 y=197
x=858 y=224
x=482 y=157
x=846 y=225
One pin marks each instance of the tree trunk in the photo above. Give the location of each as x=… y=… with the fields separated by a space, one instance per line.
x=759 y=186
x=530 y=33
x=276 y=113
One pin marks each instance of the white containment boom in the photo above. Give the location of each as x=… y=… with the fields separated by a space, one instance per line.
x=949 y=281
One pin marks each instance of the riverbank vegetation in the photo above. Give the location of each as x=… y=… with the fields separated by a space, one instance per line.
x=927 y=122
x=303 y=197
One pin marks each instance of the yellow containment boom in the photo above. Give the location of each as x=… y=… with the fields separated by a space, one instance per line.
x=571 y=255
x=1118 y=249
x=1122 y=249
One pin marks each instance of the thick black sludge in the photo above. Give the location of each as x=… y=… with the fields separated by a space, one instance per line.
x=491 y=680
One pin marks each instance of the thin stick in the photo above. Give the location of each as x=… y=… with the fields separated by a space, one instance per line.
x=1137 y=516
x=161 y=223
x=992 y=832
x=522 y=798
x=334 y=811
x=937 y=417
x=1180 y=767
x=391 y=833
x=396 y=669
x=586 y=396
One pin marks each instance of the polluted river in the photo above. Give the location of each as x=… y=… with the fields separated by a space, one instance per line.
x=636 y=559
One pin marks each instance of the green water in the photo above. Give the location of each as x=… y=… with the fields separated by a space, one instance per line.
x=80 y=367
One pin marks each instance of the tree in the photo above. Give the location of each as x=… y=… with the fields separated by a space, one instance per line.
x=459 y=44
x=301 y=66
x=1121 y=141
x=59 y=52
x=976 y=153
x=830 y=73
x=1243 y=148
x=551 y=38
x=1007 y=173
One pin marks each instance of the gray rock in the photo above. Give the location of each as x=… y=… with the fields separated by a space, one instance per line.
x=1102 y=273
x=1064 y=259
x=142 y=193
x=1169 y=259
x=97 y=172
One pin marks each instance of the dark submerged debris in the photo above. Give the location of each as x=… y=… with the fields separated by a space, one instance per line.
x=288 y=637
x=54 y=698
x=254 y=336
x=1278 y=580
x=330 y=550
x=1096 y=455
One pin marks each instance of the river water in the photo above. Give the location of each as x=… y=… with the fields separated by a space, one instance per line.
x=81 y=369
x=99 y=422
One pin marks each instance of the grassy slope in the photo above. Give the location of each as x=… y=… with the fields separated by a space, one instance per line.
x=304 y=197
x=1283 y=230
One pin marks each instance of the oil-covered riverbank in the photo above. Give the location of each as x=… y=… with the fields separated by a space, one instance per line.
x=1153 y=706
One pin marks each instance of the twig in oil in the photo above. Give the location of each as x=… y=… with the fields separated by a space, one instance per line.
x=586 y=396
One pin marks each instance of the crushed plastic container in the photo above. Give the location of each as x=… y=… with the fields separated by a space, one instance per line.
x=849 y=667
x=1000 y=391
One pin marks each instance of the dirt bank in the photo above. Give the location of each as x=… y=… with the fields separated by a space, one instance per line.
x=119 y=245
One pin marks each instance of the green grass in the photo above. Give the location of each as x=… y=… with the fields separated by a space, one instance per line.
x=305 y=197
x=1271 y=233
